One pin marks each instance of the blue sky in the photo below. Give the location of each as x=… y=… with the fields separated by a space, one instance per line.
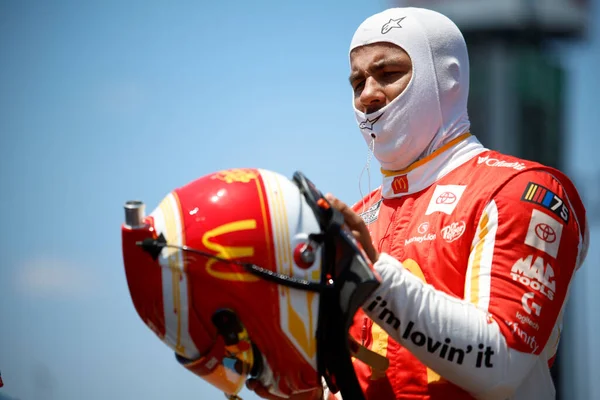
x=102 y=102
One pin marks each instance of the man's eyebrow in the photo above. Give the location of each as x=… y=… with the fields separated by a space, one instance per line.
x=386 y=62
x=378 y=65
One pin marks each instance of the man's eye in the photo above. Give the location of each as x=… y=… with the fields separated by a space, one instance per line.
x=391 y=74
x=358 y=85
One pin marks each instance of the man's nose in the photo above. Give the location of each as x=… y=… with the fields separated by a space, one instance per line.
x=372 y=96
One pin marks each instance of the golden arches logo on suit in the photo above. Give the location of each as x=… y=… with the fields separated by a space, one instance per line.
x=400 y=184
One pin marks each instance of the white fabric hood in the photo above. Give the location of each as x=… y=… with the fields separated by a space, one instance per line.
x=432 y=110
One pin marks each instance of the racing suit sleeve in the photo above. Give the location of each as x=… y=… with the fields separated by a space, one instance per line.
x=528 y=243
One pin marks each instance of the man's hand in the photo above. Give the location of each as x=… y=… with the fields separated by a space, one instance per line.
x=356 y=224
x=261 y=391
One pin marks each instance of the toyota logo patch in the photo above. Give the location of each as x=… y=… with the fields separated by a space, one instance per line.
x=545 y=232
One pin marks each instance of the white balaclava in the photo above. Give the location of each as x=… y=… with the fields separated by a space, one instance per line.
x=432 y=110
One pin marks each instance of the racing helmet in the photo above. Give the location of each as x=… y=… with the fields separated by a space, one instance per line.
x=246 y=273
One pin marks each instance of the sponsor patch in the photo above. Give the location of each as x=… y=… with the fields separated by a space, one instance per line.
x=372 y=213
x=427 y=237
x=544 y=233
x=544 y=197
x=536 y=275
x=529 y=305
x=423 y=235
x=494 y=162
x=400 y=184
x=525 y=320
x=445 y=198
x=525 y=337
x=453 y=231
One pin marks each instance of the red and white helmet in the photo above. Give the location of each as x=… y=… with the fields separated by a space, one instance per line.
x=246 y=273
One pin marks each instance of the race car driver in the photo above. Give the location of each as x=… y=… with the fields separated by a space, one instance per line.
x=477 y=250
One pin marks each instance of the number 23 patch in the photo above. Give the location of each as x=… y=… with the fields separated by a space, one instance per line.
x=544 y=197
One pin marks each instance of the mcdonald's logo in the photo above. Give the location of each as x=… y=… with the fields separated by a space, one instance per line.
x=400 y=184
x=236 y=175
x=229 y=252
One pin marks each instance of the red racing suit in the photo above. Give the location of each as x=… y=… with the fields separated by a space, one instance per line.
x=478 y=251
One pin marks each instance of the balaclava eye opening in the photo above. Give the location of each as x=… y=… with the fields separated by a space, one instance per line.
x=432 y=110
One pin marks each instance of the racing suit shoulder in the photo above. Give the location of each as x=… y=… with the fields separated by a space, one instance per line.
x=536 y=239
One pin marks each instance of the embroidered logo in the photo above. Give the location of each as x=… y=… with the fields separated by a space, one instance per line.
x=544 y=233
x=400 y=184
x=445 y=198
x=494 y=162
x=371 y=214
x=368 y=123
x=391 y=24
x=453 y=231
x=544 y=197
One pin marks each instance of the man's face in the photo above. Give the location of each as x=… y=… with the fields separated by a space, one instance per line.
x=379 y=73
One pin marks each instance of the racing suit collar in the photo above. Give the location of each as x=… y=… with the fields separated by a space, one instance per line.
x=430 y=169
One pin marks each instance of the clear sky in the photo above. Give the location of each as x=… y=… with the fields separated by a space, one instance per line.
x=103 y=102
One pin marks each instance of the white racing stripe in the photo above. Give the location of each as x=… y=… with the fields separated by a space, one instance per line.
x=168 y=221
x=479 y=270
x=291 y=219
